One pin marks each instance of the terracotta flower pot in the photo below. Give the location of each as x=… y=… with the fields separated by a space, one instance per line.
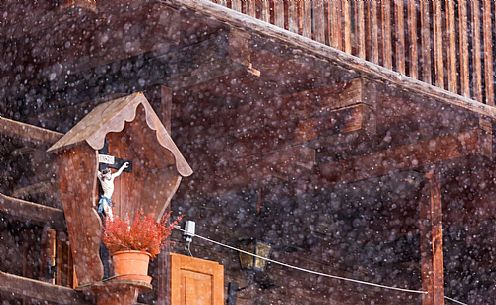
x=132 y=265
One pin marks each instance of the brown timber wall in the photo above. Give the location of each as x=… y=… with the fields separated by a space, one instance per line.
x=447 y=43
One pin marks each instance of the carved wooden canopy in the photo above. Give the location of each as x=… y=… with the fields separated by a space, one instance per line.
x=134 y=132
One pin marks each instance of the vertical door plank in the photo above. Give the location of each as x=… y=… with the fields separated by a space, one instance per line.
x=374 y=37
x=306 y=16
x=293 y=16
x=279 y=13
x=451 y=43
x=476 y=51
x=413 y=37
x=399 y=21
x=251 y=7
x=319 y=23
x=360 y=33
x=488 y=53
x=386 y=34
x=463 y=48
x=265 y=11
x=335 y=21
x=345 y=6
x=438 y=44
x=236 y=5
x=425 y=22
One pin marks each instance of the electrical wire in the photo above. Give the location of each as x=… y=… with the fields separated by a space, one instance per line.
x=316 y=272
x=453 y=300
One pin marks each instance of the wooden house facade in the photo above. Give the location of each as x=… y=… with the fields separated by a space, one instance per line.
x=356 y=138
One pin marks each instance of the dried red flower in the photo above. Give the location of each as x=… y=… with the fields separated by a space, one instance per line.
x=143 y=233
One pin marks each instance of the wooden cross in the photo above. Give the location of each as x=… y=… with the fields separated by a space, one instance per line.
x=106 y=160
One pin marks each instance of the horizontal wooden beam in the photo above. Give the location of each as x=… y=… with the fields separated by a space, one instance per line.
x=32 y=212
x=409 y=156
x=28 y=133
x=38 y=290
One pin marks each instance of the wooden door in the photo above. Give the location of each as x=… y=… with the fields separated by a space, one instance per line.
x=195 y=281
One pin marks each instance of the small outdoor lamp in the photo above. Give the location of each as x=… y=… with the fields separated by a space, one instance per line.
x=256 y=247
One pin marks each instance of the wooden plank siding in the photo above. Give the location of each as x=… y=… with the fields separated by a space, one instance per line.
x=448 y=43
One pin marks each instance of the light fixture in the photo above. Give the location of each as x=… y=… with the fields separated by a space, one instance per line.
x=250 y=262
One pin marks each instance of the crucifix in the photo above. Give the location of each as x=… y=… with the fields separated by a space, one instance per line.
x=106 y=178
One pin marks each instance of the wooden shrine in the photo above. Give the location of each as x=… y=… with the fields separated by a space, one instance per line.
x=133 y=131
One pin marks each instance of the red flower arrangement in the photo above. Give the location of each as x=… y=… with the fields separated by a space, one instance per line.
x=143 y=234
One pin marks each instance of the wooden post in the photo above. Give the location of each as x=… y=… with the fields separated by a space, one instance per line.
x=431 y=240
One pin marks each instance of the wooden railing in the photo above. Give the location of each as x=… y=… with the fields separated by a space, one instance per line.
x=447 y=43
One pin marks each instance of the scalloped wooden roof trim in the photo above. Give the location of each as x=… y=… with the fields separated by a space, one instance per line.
x=111 y=117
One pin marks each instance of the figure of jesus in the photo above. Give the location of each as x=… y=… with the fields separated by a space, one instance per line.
x=106 y=178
